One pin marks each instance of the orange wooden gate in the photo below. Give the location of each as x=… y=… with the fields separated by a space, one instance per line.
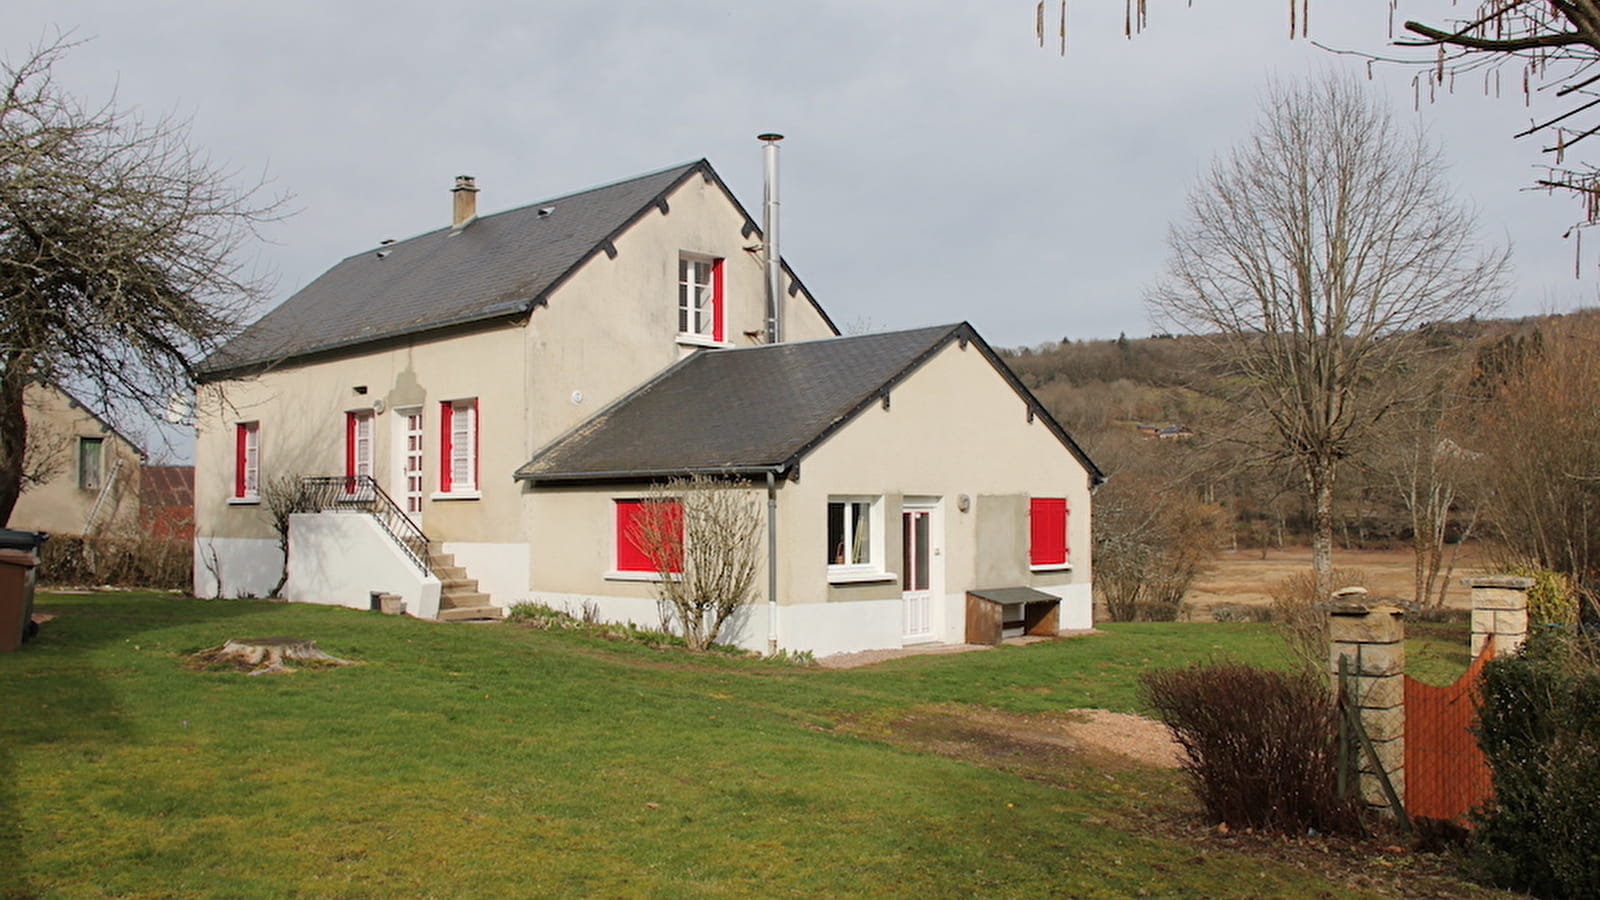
x=1446 y=774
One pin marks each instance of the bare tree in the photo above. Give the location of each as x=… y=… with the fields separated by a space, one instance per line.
x=701 y=535
x=1539 y=436
x=1310 y=257
x=1430 y=472
x=120 y=253
x=281 y=497
x=1548 y=46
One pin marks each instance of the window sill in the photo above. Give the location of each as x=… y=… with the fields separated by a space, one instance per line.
x=244 y=501
x=636 y=576
x=860 y=577
x=1052 y=567
x=456 y=495
x=700 y=340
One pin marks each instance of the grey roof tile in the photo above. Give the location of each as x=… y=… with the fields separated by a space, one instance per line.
x=751 y=409
x=501 y=264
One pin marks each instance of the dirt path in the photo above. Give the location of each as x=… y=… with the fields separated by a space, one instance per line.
x=1247 y=577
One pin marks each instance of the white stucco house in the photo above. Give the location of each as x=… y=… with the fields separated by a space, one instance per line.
x=488 y=402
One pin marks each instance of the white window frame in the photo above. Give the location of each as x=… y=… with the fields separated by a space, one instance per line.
x=247 y=464
x=462 y=455
x=873 y=568
x=690 y=288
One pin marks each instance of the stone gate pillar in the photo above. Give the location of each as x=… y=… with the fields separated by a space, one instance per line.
x=1371 y=639
x=1499 y=610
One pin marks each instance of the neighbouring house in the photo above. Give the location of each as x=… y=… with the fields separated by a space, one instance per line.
x=166 y=502
x=81 y=473
x=487 y=404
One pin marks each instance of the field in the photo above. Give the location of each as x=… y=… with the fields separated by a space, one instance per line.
x=1246 y=577
x=502 y=761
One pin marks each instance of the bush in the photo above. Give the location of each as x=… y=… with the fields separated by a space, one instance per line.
x=1539 y=727
x=123 y=560
x=1551 y=600
x=1268 y=763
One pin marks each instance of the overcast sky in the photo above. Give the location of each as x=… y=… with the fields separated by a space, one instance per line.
x=938 y=165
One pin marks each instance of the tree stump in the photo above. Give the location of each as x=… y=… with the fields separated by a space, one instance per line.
x=266 y=655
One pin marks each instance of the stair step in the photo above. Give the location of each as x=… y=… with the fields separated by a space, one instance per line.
x=461 y=585
x=470 y=613
x=463 y=599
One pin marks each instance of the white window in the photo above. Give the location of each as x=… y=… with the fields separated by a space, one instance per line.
x=458 y=453
x=855 y=537
x=247 y=461
x=700 y=297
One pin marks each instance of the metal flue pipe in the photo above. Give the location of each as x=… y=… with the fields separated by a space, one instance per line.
x=769 y=231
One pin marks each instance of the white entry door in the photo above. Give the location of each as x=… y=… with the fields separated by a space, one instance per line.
x=917 y=576
x=408 y=481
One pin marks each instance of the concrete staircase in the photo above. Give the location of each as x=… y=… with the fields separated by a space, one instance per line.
x=459 y=597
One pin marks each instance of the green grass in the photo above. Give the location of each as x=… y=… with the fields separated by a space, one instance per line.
x=496 y=761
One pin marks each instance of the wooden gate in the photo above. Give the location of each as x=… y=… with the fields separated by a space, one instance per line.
x=1446 y=774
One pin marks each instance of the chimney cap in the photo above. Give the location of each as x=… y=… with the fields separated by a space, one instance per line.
x=769 y=137
x=465 y=183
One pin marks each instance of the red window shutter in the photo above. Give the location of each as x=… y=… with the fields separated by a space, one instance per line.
x=239 y=438
x=631 y=556
x=718 y=323
x=477 y=429
x=349 y=452
x=446 y=415
x=1047 y=526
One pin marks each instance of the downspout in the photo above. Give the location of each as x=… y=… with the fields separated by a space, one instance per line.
x=772 y=564
x=769 y=232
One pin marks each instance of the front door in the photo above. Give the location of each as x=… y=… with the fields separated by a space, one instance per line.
x=916 y=571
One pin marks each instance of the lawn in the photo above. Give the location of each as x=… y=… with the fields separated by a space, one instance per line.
x=499 y=761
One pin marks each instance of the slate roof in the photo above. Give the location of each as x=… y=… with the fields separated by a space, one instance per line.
x=752 y=410
x=499 y=266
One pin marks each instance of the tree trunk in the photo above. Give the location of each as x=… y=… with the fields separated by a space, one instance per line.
x=13 y=443
x=1319 y=478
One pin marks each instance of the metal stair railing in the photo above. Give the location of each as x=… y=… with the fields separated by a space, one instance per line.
x=359 y=493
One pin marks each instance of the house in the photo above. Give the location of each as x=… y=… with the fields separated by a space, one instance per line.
x=490 y=401
x=83 y=474
x=166 y=502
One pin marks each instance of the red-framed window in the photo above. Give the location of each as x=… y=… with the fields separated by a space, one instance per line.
x=701 y=306
x=1047 y=531
x=648 y=532
x=247 y=460
x=458 y=450
x=357 y=446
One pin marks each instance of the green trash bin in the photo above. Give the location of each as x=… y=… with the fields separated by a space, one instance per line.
x=19 y=562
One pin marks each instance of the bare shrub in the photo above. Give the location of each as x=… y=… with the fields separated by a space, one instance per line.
x=700 y=534
x=1268 y=763
x=1299 y=610
x=128 y=560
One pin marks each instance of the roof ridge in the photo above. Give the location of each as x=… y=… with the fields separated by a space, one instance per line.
x=394 y=243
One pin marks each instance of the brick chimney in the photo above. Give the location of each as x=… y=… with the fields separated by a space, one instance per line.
x=466 y=202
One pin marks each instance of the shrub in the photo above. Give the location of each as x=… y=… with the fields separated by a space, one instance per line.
x=1301 y=614
x=1551 y=600
x=1539 y=727
x=124 y=560
x=1268 y=763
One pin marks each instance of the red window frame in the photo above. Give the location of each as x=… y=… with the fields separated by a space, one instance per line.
x=631 y=557
x=245 y=462
x=1047 y=532
x=448 y=410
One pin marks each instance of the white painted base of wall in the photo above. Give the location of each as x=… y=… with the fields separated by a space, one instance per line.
x=341 y=559
x=236 y=567
x=501 y=569
x=1077 y=605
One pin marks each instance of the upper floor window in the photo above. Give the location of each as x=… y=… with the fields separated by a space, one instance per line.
x=357 y=446
x=1047 y=533
x=90 y=460
x=247 y=460
x=701 y=310
x=458 y=453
